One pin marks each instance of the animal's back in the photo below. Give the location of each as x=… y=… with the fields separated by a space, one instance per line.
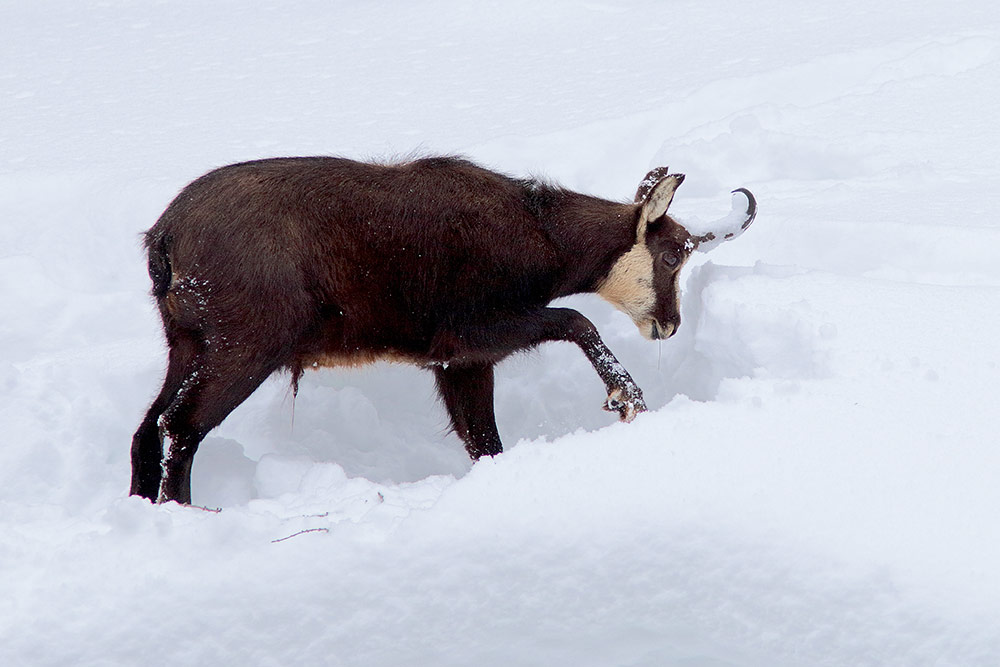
x=392 y=253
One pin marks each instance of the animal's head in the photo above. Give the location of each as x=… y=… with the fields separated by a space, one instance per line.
x=643 y=283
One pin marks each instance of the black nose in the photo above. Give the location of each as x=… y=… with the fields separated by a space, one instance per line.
x=661 y=332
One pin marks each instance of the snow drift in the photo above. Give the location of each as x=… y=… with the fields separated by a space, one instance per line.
x=814 y=485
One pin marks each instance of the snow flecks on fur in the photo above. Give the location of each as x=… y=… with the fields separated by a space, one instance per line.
x=168 y=447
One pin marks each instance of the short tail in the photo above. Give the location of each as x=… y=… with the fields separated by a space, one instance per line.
x=159 y=262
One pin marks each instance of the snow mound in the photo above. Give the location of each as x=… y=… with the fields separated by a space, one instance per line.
x=814 y=483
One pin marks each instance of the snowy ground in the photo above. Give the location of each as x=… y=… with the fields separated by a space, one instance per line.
x=815 y=486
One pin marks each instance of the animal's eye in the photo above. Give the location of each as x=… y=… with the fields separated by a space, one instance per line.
x=670 y=258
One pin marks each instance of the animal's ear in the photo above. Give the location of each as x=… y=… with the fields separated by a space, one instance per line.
x=660 y=195
x=648 y=181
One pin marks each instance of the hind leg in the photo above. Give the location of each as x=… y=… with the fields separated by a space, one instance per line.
x=467 y=391
x=217 y=386
x=147 y=443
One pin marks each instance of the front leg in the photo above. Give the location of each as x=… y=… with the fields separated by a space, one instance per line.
x=467 y=392
x=526 y=330
x=624 y=395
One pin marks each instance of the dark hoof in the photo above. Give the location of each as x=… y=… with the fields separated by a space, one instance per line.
x=626 y=405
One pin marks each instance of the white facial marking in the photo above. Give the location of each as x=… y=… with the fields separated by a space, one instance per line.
x=629 y=284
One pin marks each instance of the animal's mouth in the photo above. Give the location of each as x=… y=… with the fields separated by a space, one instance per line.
x=661 y=332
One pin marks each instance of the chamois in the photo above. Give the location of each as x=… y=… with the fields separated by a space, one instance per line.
x=293 y=263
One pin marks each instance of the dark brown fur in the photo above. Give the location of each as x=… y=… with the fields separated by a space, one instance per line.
x=286 y=263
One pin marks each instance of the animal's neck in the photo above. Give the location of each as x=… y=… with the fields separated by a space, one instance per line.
x=590 y=234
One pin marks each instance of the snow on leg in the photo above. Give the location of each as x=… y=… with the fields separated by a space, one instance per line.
x=214 y=390
x=147 y=443
x=624 y=395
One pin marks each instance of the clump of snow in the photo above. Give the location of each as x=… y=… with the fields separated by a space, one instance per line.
x=814 y=482
x=711 y=234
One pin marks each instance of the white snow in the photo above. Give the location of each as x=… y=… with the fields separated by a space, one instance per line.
x=816 y=481
x=727 y=228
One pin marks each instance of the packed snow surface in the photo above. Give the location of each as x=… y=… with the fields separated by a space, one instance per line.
x=816 y=480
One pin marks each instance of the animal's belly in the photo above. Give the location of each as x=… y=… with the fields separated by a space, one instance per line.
x=359 y=358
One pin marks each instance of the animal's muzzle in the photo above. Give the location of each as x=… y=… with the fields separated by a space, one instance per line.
x=662 y=332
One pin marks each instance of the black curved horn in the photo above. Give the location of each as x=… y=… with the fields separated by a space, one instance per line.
x=752 y=208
